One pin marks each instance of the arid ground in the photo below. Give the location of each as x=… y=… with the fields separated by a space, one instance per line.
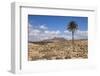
x=58 y=49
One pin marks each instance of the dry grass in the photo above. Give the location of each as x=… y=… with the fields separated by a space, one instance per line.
x=58 y=50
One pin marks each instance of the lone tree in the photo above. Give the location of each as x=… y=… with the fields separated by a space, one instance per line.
x=72 y=27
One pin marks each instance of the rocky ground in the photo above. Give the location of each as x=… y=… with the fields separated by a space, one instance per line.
x=58 y=50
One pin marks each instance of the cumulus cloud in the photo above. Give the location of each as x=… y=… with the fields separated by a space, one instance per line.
x=52 y=32
x=41 y=32
x=81 y=35
x=30 y=28
x=34 y=32
x=43 y=27
x=77 y=35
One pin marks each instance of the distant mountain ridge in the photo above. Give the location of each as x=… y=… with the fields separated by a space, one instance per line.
x=55 y=39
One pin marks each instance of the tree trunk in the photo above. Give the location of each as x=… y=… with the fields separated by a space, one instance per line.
x=73 y=40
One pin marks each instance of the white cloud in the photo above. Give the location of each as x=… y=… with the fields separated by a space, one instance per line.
x=35 y=32
x=66 y=31
x=43 y=27
x=77 y=35
x=52 y=32
x=42 y=32
x=30 y=28
x=81 y=34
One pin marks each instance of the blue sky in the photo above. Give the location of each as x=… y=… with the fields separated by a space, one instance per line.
x=57 y=23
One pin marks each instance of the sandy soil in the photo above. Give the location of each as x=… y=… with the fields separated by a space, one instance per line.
x=58 y=50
